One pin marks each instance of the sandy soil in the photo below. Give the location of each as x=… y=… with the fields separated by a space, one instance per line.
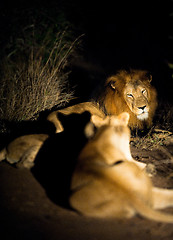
x=28 y=213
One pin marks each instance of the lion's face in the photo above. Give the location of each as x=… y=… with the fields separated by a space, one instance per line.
x=136 y=98
x=131 y=91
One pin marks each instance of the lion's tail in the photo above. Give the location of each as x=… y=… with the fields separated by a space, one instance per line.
x=146 y=211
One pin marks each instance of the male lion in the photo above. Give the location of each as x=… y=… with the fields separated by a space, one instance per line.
x=132 y=92
x=126 y=91
x=105 y=183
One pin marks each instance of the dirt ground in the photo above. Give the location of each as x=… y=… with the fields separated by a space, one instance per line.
x=27 y=212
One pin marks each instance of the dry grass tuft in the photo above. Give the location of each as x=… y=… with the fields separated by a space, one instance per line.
x=155 y=138
x=39 y=83
x=161 y=133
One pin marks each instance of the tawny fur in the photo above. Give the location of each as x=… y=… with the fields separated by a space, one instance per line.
x=106 y=183
x=77 y=108
x=114 y=101
x=23 y=150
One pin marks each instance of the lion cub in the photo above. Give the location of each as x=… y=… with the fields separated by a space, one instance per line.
x=108 y=183
x=23 y=150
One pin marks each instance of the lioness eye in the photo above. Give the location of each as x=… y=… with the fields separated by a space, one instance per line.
x=129 y=95
x=144 y=91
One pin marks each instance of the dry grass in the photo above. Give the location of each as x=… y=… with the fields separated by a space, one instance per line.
x=161 y=133
x=29 y=87
x=156 y=138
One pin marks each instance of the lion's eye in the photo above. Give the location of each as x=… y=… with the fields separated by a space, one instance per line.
x=144 y=91
x=129 y=95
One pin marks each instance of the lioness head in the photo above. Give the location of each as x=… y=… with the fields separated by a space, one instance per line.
x=113 y=130
x=131 y=92
x=120 y=120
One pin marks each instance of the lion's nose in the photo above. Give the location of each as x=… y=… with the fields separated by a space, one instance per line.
x=142 y=108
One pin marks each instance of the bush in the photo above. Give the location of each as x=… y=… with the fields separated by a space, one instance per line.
x=39 y=83
x=35 y=59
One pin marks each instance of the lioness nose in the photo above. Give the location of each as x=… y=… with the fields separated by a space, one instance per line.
x=142 y=108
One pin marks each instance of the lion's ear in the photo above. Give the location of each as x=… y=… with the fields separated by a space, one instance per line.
x=149 y=76
x=124 y=118
x=89 y=130
x=98 y=121
x=111 y=82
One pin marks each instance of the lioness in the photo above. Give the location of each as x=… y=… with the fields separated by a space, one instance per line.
x=23 y=150
x=106 y=184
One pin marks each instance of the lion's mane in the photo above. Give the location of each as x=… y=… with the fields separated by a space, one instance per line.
x=112 y=99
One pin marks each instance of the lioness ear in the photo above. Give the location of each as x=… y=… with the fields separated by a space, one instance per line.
x=89 y=130
x=97 y=121
x=124 y=118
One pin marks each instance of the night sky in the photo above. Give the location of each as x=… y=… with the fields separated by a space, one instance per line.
x=118 y=34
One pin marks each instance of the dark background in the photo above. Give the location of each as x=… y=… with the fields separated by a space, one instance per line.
x=118 y=34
